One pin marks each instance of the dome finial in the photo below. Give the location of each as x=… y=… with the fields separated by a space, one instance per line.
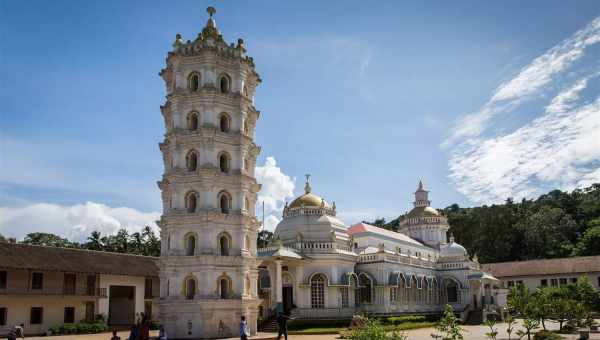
x=211 y=10
x=307 y=188
x=451 y=238
x=420 y=184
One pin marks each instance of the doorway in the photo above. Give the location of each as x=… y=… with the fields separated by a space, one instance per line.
x=288 y=299
x=121 y=305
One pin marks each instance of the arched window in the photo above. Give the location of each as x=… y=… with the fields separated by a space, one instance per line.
x=246 y=127
x=224 y=202
x=224 y=287
x=366 y=287
x=224 y=122
x=191 y=160
x=224 y=83
x=192 y=121
x=194 y=81
x=451 y=291
x=246 y=204
x=224 y=162
x=190 y=245
x=191 y=201
x=317 y=291
x=224 y=244
x=190 y=288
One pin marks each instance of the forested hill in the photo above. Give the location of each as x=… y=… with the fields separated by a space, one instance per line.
x=557 y=224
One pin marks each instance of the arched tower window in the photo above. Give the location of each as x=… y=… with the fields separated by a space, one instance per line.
x=224 y=161
x=246 y=127
x=224 y=83
x=224 y=244
x=194 y=81
x=224 y=286
x=246 y=204
x=190 y=288
x=192 y=120
x=247 y=243
x=190 y=245
x=366 y=287
x=191 y=160
x=224 y=202
x=317 y=291
x=191 y=201
x=224 y=122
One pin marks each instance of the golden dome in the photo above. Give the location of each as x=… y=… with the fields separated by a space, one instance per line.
x=307 y=200
x=423 y=211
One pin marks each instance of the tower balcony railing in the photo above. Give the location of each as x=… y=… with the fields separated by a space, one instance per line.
x=397 y=258
x=309 y=247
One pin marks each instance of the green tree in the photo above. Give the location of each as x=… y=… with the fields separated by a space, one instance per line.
x=589 y=243
x=94 y=241
x=529 y=325
x=263 y=238
x=151 y=242
x=448 y=328
x=47 y=239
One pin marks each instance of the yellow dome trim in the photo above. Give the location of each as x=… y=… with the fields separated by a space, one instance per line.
x=307 y=200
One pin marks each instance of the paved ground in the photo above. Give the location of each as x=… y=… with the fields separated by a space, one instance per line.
x=473 y=333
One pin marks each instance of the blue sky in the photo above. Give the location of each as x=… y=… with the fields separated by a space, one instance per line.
x=482 y=100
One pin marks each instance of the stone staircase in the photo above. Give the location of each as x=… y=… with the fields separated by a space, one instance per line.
x=269 y=326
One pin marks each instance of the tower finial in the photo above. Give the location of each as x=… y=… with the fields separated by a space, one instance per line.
x=421 y=184
x=307 y=188
x=211 y=10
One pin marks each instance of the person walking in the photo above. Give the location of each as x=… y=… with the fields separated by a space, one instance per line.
x=134 y=332
x=244 y=330
x=282 y=325
x=115 y=336
x=162 y=334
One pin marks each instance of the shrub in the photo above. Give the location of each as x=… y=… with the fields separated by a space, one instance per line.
x=55 y=330
x=395 y=320
x=372 y=330
x=546 y=335
x=79 y=328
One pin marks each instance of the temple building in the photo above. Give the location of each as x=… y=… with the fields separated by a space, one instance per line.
x=211 y=272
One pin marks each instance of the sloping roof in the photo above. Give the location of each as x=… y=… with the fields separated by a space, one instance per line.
x=22 y=256
x=570 y=265
x=367 y=228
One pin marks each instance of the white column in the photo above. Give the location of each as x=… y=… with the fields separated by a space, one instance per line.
x=278 y=283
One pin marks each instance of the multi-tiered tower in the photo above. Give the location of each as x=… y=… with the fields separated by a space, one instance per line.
x=208 y=227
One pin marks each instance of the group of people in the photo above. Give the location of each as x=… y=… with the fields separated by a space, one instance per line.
x=16 y=332
x=141 y=330
x=282 y=319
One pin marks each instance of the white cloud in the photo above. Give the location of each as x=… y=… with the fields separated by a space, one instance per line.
x=531 y=80
x=276 y=188
x=74 y=222
x=558 y=148
x=561 y=148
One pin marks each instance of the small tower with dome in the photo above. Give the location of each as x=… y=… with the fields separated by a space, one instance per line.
x=423 y=222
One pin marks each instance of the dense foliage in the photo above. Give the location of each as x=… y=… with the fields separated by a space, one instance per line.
x=141 y=243
x=557 y=224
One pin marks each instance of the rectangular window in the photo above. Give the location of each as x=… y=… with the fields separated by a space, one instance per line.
x=554 y=282
x=393 y=294
x=37 y=315
x=69 y=284
x=510 y=284
x=344 y=294
x=544 y=283
x=3 y=279
x=573 y=280
x=563 y=281
x=37 y=281
x=91 y=285
x=69 y=315
x=519 y=283
x=148 y=288
x=3 y=313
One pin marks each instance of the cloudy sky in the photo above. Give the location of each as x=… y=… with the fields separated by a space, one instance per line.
x=481 y=100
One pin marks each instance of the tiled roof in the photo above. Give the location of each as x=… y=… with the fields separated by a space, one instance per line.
x=570 y=265
x=367 y=228
x=22 y=256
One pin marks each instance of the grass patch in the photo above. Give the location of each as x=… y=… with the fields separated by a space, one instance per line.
x=409 y=325
x=332 y=329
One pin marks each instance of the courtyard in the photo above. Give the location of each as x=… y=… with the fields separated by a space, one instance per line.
x=471 y=332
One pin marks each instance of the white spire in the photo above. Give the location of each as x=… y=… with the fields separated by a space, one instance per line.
x=421 y=196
